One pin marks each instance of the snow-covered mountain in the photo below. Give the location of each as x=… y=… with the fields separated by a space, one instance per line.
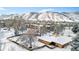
x=72 y=16
x=11 y=16
x=44 y=16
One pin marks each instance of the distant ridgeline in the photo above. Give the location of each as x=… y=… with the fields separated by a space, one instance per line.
x=13 y=20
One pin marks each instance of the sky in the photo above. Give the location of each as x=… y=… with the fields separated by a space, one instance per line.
x=19 y=10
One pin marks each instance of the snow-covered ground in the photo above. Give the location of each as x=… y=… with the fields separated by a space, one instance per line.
x=4 y=33
x=6 y=45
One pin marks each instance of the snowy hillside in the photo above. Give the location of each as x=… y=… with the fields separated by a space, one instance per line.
x=72 y=16
x=44 y=16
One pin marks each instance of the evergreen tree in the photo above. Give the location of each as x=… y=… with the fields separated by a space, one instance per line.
x=75 y=28
x=75 y=43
